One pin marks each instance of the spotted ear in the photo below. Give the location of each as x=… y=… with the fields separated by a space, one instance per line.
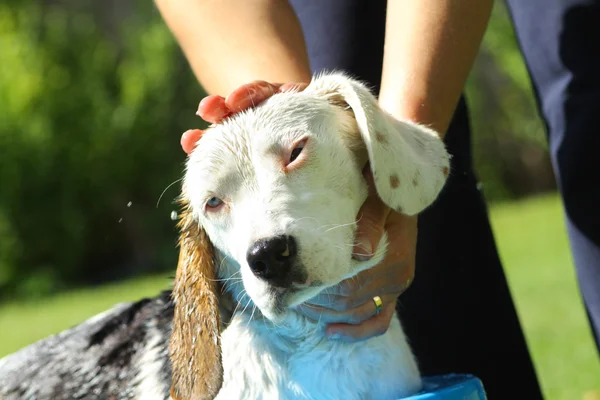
x=194 y=348
x=409 y=162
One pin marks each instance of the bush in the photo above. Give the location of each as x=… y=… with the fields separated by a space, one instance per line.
x=509 y=143
x=93 y=97
x=89 y=129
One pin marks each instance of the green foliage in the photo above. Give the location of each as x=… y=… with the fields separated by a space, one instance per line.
x=89 y=129
x=534 y=247
x=92 y=101
x=509 y=142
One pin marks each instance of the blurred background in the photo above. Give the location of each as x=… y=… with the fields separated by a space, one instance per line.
x=93 y=99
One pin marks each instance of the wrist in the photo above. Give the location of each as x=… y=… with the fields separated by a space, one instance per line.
x=419 y=109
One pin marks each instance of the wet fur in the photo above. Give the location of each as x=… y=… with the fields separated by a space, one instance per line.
x=222 y=332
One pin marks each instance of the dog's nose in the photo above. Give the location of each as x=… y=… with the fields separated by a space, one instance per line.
x=272 y=258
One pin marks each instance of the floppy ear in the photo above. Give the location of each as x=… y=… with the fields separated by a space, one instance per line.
x=409 y=162
x=194 y=348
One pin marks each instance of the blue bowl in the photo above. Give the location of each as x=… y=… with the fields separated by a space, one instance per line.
x=450 y=387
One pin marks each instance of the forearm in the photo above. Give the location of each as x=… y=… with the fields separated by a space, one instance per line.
x=232 y=42
x=430 y=46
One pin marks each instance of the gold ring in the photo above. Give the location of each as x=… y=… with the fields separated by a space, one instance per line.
x=378 y=304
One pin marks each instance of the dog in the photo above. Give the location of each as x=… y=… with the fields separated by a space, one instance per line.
x=269 y=203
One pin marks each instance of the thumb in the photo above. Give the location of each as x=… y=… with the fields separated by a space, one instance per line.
x=371 y=222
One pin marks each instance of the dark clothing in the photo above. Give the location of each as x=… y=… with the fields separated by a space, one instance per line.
x=560 y=40
x=459 y=314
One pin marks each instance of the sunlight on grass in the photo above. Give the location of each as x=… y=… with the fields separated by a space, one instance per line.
x=532 y=243
x=534 y=247
x=31 y=321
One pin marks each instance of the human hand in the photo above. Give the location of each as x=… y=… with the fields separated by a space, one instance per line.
x=348 y=308
x=215 y=109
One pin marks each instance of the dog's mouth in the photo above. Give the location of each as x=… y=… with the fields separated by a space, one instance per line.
x=283 y=295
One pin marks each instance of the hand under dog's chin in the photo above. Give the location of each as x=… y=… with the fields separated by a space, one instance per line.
x=297 y=296
x=278 y=302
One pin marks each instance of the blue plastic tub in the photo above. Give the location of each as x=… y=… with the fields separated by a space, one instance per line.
x=450 y=387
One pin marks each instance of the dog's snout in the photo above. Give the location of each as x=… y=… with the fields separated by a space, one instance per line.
x=273 y=258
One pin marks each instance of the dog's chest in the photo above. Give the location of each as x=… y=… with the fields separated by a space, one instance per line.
x=259 y=364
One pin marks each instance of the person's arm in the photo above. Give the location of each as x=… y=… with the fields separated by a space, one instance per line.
x=430 y=46
x=232 y=42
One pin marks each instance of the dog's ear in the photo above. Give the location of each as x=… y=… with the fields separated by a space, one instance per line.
x=409 y=162
x=194 y=348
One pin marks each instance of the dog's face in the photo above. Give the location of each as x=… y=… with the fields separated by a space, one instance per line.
x=272 y=195
x=277 y=189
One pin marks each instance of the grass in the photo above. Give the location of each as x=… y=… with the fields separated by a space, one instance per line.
x=532 y=243
x=534 y=247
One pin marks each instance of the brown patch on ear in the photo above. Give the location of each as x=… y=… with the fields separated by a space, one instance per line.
x=446 y=171
x=194 y=348
x=381 y=138
x=415 y=182
x=338 y=100
x=350 y=135
x=394 y=181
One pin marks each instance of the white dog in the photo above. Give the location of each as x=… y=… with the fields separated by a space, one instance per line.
x=271 y=196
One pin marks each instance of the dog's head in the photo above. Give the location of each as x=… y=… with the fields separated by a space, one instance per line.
x=271 y=198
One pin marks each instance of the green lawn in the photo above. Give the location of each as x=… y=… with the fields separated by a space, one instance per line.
x=533 y=246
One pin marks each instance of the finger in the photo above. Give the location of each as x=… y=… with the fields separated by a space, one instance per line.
x=376 y=326
x=371 y=222
x=189 y=139
x=401 y=229
x=402 y=232
x=250 y=95
x=383 y=276
x=330 y=316
x=353 y=316
x=345 y=305
x=213 y=109
x=390 y=280
x=293 y=87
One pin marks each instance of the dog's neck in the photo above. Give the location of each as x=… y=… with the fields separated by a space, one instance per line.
x=291 y=334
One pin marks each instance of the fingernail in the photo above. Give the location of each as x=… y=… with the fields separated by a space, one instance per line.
x=200 y=106
x=189 y=139
x=365 y=249
x=251 y=91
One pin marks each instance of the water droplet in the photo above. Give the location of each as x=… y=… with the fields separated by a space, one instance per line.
x=120 y=219
x=173 y=215
x=129 y=204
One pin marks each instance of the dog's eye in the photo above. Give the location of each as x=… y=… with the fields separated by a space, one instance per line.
x=297 y=150
x=214 y=202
